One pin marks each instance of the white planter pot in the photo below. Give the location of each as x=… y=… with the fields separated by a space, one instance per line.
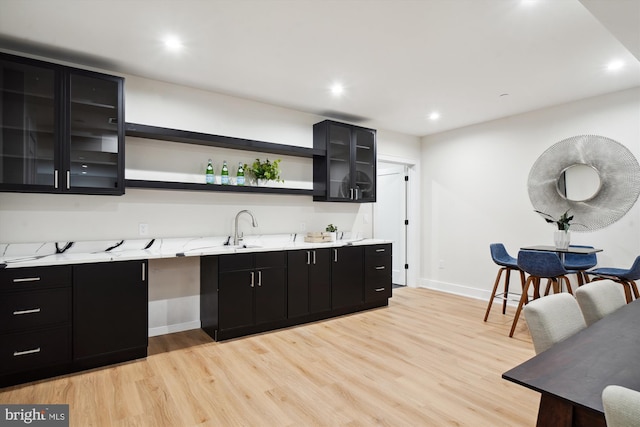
x=562 y=239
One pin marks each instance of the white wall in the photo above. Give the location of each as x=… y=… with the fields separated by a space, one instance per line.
x=474 y=193
x=173 y=292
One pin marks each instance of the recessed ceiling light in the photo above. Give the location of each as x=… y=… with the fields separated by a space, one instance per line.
x=337 y=89
x=434 y=116
x=172 y=43
x=615 y=65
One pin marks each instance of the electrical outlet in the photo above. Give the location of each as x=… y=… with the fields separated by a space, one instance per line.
x=303 y=226
x=143 y=229
x=441 y=264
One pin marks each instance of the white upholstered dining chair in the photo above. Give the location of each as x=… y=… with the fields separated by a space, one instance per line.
x=621 y=406
x=598 y=299
x=552 y=319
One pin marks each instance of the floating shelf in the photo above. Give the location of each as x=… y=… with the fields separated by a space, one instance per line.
x=198 y=138
x=168 y=185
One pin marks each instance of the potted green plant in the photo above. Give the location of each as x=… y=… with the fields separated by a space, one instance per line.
x=332 y=230
x=264 y=172
x=561 y=237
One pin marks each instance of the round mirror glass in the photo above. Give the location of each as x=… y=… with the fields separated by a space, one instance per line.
x=579 y=183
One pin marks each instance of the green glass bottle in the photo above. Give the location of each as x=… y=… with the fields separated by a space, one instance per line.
x=210 y=177
x=240 y=174
x=224 y=175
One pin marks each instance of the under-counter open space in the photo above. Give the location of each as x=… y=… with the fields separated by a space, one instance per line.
x=424 y=360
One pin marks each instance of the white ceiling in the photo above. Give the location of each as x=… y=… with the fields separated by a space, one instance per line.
x=399 y=60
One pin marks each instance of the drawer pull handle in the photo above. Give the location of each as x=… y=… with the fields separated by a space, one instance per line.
x=26 y=279
x=379 y=250
x=23 y=353
x=381 y=267
x=32 y=311
x=379 y=289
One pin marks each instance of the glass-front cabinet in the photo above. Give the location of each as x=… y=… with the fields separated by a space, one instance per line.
x=61 y=129
x=348 y=171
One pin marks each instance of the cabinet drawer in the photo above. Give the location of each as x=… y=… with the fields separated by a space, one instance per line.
x=28 y=351
x=377 y=289
x=377 y=267
x=16 y=279
x=28 y=309
x=378 y=250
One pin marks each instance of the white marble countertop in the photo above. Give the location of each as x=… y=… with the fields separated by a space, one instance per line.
x=16 y=255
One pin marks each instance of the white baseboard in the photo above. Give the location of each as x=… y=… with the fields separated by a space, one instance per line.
x=179 y=327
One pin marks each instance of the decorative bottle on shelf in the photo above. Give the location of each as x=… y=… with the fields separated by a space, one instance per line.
x=210 y=177
x=224 y=175
x=240 y=174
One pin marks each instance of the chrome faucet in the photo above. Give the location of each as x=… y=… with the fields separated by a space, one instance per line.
x=236 y=237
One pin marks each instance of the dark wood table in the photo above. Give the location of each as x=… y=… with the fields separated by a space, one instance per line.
x=572 y=374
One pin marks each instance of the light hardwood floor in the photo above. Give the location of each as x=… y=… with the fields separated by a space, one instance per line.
x=426 y=360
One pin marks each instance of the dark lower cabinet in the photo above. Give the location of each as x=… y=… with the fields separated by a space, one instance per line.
x=35 y=323
x=309 y=282
x=110 y=312
x=377 y=272
x=347 y=276
x=242 y=294
x=252 y=289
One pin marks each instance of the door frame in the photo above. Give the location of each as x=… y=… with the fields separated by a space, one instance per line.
x=413 y=248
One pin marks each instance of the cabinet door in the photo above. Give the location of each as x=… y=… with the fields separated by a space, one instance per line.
x=339 y=153
x=110 y=308
x=364 y=165
x=236 y=298
x=95 y=134
x=320 y=281
x=298 y=283
x=347 y=277
x=270 y=293
x=29 y=122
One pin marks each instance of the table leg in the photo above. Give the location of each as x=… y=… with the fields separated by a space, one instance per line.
x=554 y=412
x=560 y=413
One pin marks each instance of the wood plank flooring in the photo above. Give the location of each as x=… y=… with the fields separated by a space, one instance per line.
x=426 y=360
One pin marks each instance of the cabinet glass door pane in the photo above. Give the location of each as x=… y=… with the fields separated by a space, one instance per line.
x=93 y=132
x=365 y=175
x=27 y=123
x=339 y=157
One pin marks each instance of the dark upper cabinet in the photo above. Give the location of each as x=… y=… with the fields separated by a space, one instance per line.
x=348 y=171
x=61 y=129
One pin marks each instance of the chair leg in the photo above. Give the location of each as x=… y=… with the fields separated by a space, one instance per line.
x=522 y=282
x=635 y=288
x=523 y=298
x=506 y=291
x=566 y=280
x=493 y=293
x=627 y=290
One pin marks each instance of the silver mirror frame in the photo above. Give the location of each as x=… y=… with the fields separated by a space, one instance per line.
x=619 y=173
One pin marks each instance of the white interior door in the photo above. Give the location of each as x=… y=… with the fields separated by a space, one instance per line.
x=389 y=214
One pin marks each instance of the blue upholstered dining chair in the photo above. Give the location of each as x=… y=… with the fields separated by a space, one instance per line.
x=626 y=278
x=507 y=264
x=540 y=265
x=580 y=262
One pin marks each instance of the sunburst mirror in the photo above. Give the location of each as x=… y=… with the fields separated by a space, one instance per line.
x=596 y=178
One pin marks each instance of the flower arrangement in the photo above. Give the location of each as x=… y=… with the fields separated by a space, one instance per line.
x=267 y=170
x=563 y=223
